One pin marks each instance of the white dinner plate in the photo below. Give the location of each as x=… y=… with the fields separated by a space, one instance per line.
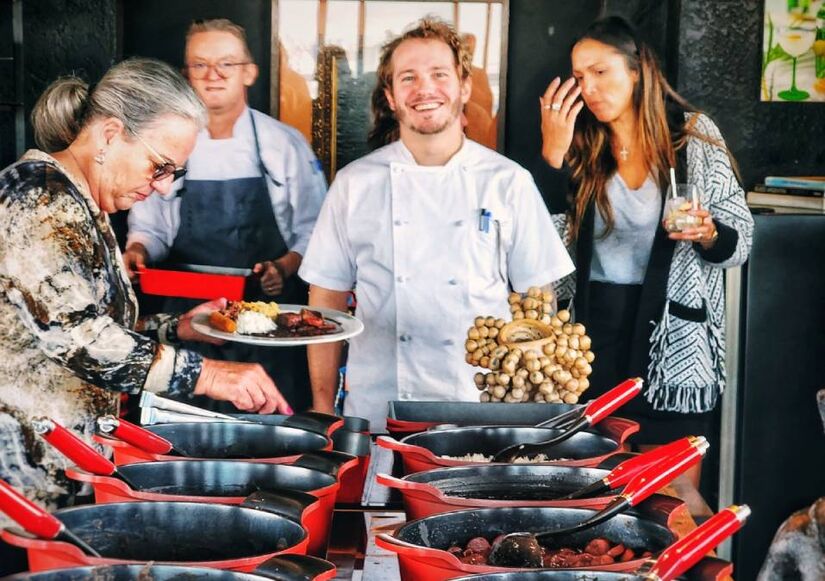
x=348 y=326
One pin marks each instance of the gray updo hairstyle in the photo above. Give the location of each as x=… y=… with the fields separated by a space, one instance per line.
x=137 y=91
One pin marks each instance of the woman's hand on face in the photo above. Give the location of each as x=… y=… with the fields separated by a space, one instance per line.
x=245 y=385
x=559 y=109
x=703 y=233
x=185 y=330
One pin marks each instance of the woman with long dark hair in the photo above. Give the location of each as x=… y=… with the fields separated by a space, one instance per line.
x=652 y=300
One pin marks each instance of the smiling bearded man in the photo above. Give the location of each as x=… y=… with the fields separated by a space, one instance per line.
x=431 y=230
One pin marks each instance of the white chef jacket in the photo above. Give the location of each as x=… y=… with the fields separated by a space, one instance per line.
x=286 y=156
x=412 y=241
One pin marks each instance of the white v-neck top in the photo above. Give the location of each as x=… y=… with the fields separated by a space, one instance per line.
x=622 y=256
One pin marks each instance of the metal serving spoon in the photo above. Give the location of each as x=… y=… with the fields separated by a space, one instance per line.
x=593 y=413
x=523 y=549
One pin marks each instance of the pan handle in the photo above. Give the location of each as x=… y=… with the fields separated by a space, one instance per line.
x=291 y=504
x=396 y=446
x=355 y=443
x=653 y=477
x=408 y=485
x=314 y=422
x=327 y=461
x=296 y=568
x=27 y=514
x=417 y=490
x=622 y=473
x=134 y=435
x=606 y=404
x=617 y=429
x=405 y=427
x=687 y=551
x=73 y=447
x=403 y=548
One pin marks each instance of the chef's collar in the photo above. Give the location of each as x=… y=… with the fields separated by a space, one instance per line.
x=457 y=158
x=243 y=126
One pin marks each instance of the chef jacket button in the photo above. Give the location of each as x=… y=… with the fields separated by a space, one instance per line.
x=398 y=222
x=447 y=342
x=399 y=278
x=404 y=338
x=452 y=282
x=459 y=222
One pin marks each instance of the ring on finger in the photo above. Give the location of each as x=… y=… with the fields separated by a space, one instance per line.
x=546 y=107
x=556 y=106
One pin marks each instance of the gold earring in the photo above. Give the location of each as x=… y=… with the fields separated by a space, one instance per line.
x=101 y=156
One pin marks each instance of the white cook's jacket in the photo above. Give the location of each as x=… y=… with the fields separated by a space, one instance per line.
x=286 y=156
x=411 y=241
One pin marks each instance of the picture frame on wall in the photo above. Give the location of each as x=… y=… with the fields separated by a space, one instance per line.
x=793 y=51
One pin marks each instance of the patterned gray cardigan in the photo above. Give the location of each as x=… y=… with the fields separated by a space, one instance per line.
x=686 y=351
x=67 y=314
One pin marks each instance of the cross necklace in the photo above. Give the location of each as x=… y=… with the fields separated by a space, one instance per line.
x=624 y=153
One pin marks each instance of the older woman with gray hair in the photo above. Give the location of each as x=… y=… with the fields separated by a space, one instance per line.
x=70 y=335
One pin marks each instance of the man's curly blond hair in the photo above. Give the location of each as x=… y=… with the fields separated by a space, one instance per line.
x=385 y=125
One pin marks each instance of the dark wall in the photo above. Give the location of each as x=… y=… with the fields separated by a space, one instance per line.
x=720 y=46
x=541 y=35
x=143 y=33
x=7 y=88
x=60 y=37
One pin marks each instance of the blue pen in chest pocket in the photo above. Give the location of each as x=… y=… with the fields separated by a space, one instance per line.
x=484 y=220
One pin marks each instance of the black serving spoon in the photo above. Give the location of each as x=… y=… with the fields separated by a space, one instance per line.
x=593 y=413
x=523 y=549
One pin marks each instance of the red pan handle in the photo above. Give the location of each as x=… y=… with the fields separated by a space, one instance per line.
x=607 y=403
x=654 y=477
x=396 y=446
x=27 y=514
x=689 y=550
x=622 y=473
x=134 y=435
x=73 y=447
x=407 y=485
x=441 y=559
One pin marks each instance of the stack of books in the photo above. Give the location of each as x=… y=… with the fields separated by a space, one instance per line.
x=790 y=192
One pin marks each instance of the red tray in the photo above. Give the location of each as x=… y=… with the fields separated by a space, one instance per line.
x=191 y=285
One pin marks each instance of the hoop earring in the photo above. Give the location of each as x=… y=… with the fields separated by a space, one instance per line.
x=100 y=157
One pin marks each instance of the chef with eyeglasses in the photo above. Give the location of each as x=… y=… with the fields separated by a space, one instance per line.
x=249 y=199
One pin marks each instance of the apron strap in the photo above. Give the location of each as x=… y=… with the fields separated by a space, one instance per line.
x=264 y=171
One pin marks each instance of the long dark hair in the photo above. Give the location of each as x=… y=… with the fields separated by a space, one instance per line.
x=590 y=156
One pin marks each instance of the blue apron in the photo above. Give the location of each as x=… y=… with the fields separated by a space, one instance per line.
x=231 y=223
